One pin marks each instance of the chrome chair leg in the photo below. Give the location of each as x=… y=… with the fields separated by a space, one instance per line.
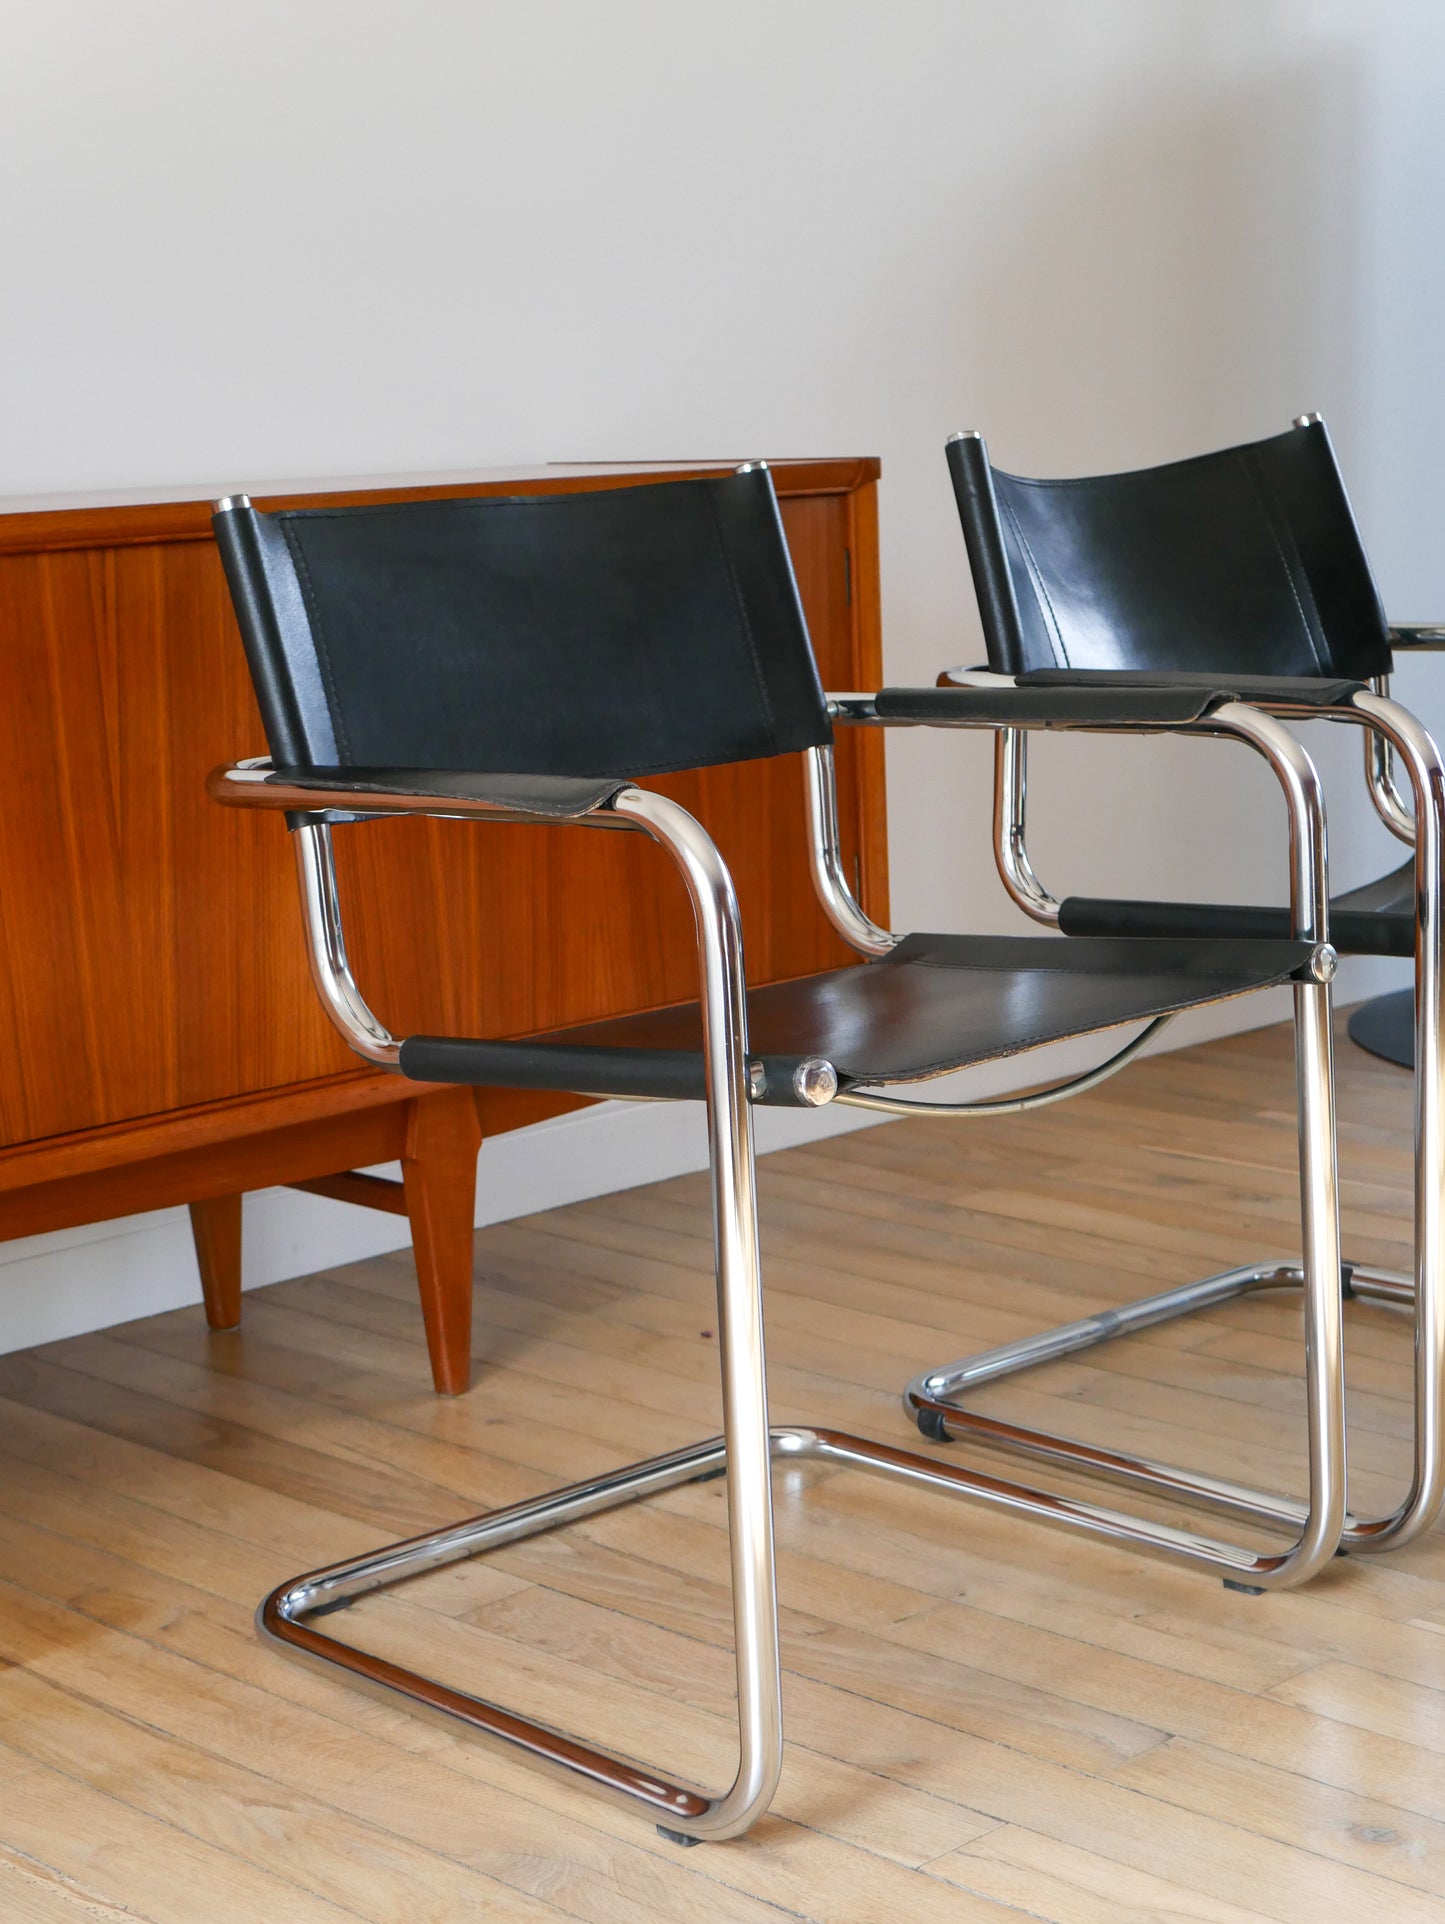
x=1390 y=731
x=1426 y=1495
x=744 y=1450
x=287 y=1618
x=1321 y=1520
x=749 y=1445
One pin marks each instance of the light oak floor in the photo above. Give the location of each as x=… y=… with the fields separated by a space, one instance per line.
x=987 y=1719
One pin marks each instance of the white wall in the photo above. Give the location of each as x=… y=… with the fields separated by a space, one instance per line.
x=337 y=237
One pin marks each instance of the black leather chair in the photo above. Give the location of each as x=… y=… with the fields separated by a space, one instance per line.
x=1241 y=572
x=528 y=660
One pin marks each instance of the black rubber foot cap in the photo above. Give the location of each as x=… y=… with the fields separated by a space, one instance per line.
x=1244 y=1589
x=329 y=1609
x=677 y=1836
x=933 y=1426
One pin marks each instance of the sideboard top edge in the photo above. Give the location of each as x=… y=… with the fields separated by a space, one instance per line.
x=40 y=525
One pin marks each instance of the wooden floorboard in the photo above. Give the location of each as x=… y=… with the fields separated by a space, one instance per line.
x=987 y=1719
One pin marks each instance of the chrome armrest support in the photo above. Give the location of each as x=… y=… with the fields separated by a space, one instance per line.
x=1305 y=800
x=1390 y=805
x=1293 y=768
x=1010 y=794
x=326 y=950
x=253 y=784
x=1010 y=805
x=825 y=859
x=326 y=937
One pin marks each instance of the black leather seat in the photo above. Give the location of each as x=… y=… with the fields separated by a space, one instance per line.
x=536 y=660
x=934 y=1003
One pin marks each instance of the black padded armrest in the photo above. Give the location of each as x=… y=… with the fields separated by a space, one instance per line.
x=780 y=1082
x=1065 y=706
x=411 y=791
x=1295 y=691
x=563 y=796
x=1417 y=635
x=1352 y=932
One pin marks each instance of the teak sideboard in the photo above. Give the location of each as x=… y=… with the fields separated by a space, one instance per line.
x=162 y=1041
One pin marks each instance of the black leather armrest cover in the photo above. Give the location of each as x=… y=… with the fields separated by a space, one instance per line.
x=1306 y=691
x=1064 y=706
x=1352 y=932
x=586 y=1069
x=563 y=798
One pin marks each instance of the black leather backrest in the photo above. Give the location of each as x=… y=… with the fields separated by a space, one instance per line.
x=1245 y=561
x=616 y=632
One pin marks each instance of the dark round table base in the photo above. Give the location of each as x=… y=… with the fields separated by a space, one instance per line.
x=1385 y=1026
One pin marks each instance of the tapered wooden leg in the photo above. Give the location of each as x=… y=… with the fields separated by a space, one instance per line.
x=439 y=1170
x=216 y=1228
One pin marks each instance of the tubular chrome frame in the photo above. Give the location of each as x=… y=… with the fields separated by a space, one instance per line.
x=862 y=934
x=1011 y=1105
x=744 y=1452
x=820 y=787
x=1421 y=759
x=1010 y=807
x=748 y=1445
x=1390 y=805
x=1320 y=1522
x=1402 y=736
x=326 y=949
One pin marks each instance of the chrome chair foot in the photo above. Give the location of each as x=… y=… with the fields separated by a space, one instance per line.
x=929 y=1398
x=681 y=1813
x=288 y=1618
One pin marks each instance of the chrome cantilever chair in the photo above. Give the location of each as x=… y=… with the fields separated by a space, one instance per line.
x=1241 y=572
x=514 y=661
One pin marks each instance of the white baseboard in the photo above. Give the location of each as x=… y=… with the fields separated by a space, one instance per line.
x=75 y=1280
